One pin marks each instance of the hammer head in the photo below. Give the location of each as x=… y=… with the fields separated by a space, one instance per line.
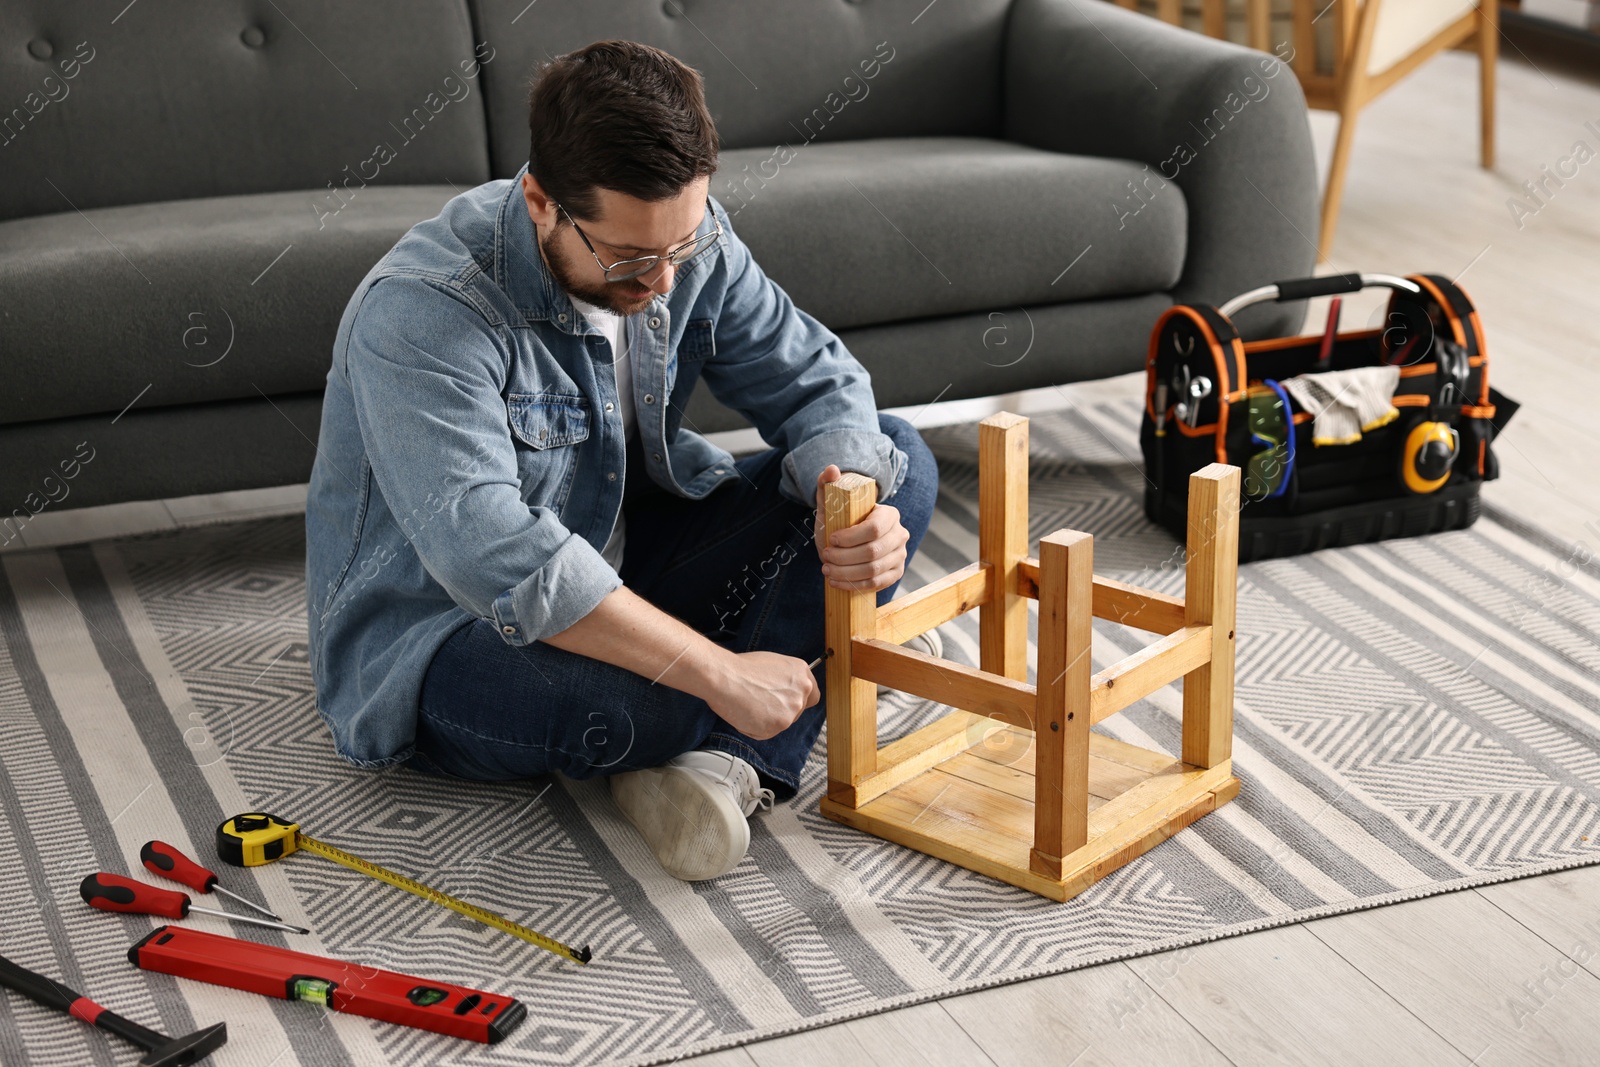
x=189 y=1049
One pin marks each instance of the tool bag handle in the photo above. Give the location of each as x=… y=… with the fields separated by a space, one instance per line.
x=1326 y=285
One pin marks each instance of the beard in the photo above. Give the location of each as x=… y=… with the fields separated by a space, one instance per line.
x=623 y=298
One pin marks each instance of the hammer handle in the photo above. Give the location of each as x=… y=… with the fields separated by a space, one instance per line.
x=53 y=994
x=46 y=991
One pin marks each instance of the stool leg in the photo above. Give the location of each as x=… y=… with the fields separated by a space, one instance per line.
x=1211 y=576
x=852 y=703
x=1061 y=766
x=1002 y=542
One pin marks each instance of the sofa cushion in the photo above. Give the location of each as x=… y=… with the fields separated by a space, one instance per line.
x=153 y=102
x=794 y=71
x=861 y=233
x=153 y=454
x=983 y=354
x=210 y=299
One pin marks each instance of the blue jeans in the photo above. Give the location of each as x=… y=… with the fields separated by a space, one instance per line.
x=739 y=566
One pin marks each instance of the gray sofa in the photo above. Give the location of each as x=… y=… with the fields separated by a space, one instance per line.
x=969 y=192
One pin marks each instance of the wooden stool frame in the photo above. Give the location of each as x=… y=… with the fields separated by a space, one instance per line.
x=1052 y=809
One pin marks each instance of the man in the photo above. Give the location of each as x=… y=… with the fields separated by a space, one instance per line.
x=519 y=562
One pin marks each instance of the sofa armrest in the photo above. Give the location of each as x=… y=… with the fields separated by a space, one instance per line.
x=1226 y=124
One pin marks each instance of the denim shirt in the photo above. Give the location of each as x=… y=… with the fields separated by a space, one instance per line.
x=470 y=463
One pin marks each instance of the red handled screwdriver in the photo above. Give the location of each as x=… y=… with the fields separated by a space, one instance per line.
x=162 y=859
x=112 y=892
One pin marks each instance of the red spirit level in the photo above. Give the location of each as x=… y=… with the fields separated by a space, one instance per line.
x=348 y=987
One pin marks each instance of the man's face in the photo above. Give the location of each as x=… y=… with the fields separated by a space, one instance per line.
x=625 y=228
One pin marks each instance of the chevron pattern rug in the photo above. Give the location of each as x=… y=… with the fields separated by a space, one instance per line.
x=1413 y=717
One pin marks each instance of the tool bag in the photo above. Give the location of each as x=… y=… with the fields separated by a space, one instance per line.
x=1417 y=473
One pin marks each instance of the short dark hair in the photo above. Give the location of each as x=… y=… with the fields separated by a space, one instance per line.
x=618 y=115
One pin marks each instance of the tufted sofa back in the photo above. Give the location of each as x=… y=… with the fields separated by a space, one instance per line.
x=775 y=70
x=105 y=104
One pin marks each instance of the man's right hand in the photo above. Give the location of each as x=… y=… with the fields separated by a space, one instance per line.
x=757 y=693
x=761 y=693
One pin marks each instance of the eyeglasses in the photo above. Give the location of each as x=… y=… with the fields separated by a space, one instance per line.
x=624 y=269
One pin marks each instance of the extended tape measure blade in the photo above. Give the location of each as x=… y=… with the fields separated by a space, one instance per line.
x=461 y=907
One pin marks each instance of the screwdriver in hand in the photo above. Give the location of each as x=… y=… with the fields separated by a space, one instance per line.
x=162 y=859
x=112 y=892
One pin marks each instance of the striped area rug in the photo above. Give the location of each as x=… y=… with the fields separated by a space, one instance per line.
x=1413 y=717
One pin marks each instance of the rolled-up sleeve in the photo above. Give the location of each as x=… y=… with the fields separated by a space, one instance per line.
x=796 y=382
x=427 y=373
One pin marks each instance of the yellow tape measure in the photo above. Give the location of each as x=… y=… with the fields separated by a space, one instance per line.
x=256 y=838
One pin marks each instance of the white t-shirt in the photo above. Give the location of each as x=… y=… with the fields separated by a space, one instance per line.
x=612 y=325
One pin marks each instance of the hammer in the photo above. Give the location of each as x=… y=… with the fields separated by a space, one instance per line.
x=160 y=1051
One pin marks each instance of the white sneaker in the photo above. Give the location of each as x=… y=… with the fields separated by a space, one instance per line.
x=929 y=643
x=692 y=810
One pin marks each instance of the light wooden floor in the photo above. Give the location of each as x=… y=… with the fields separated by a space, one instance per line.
x=1508 y=974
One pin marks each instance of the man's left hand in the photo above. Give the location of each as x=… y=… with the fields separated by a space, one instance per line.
x=869 y=555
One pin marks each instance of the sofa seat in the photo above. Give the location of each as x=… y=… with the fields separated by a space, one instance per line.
x=212 y=299
x=865 y=233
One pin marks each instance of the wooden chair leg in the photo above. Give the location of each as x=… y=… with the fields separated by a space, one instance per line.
x=1211 y=577
x=1344 y=32
x=1353 y=83
x=1488 y=56
x=1258 y=24
x=1003 y=542
x=852 y=703
x=1333 y=193
x=1304 y=36
x=1061 y=718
